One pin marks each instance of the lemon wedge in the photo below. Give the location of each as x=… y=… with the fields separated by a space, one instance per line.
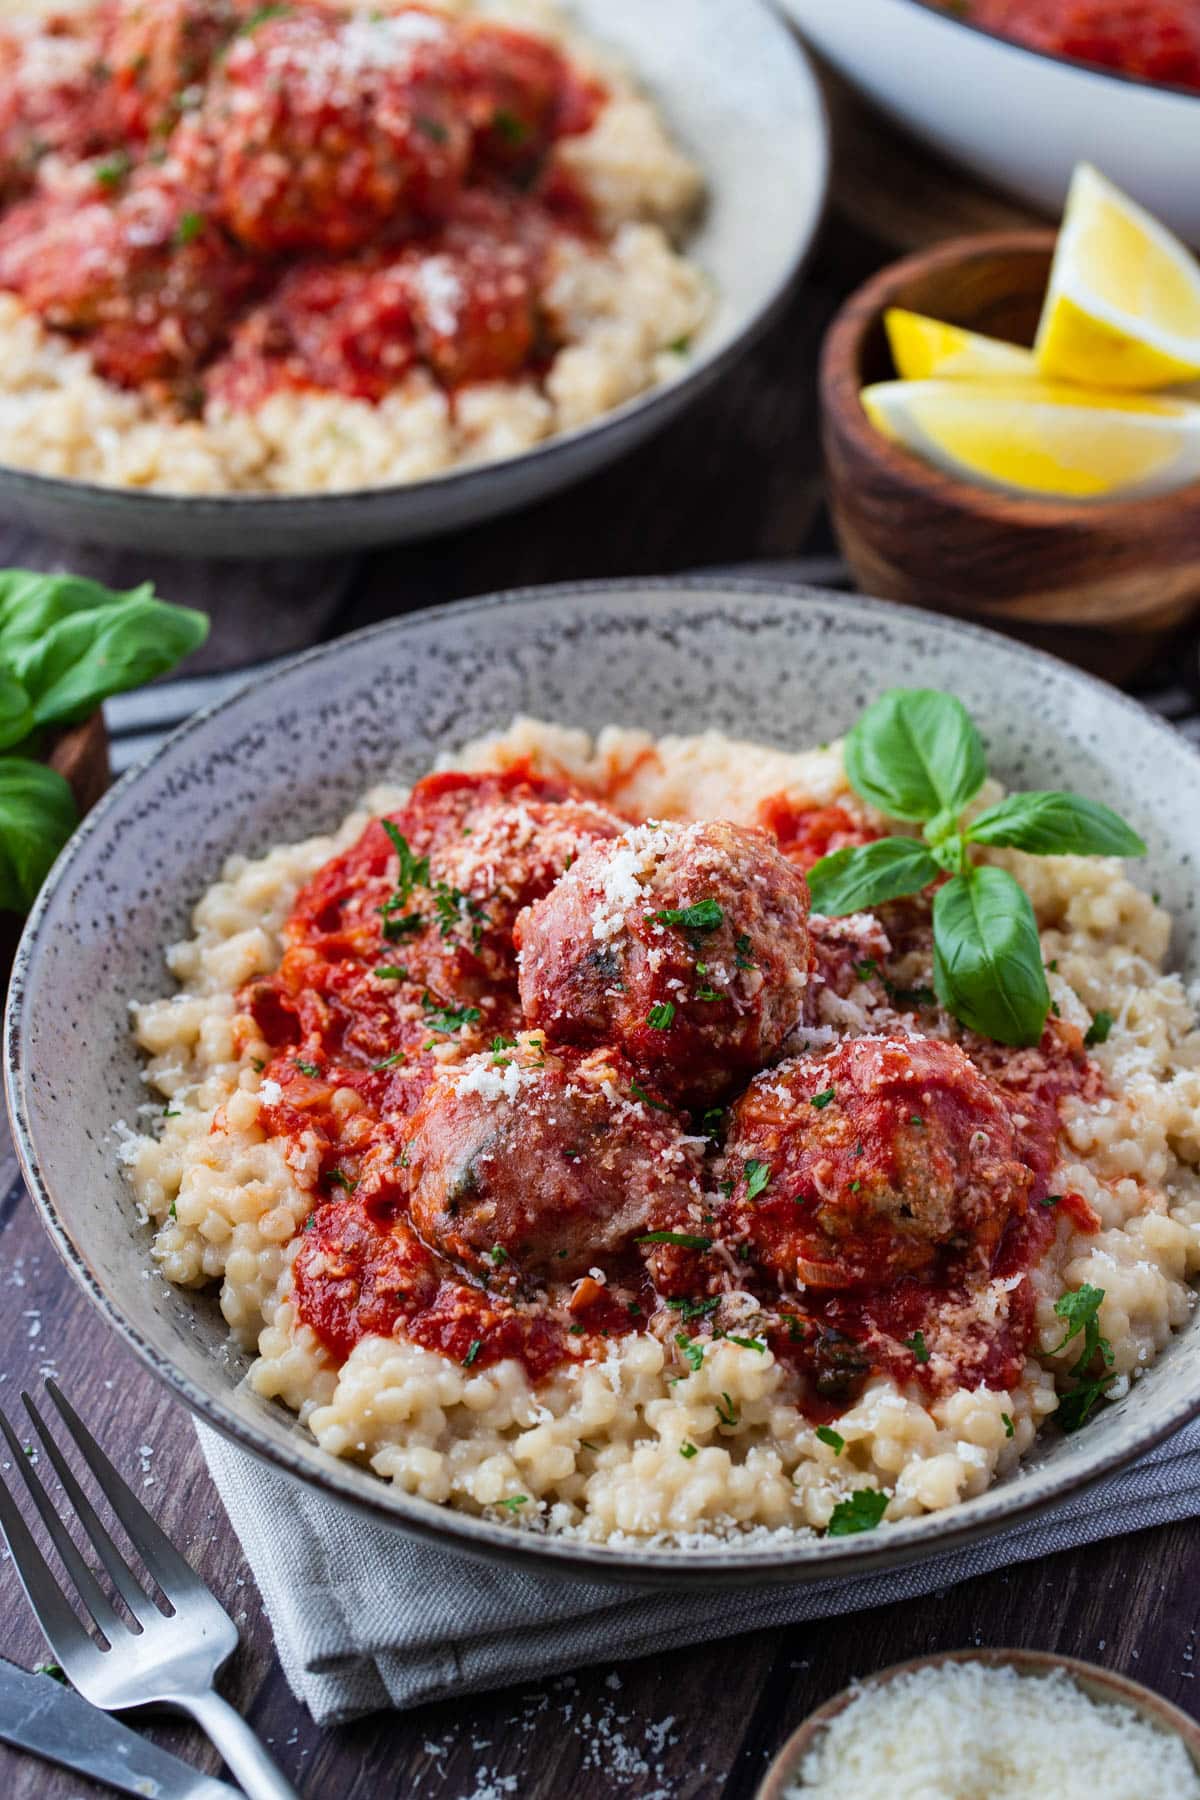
x=1123 y=306
x=925 y=348
x=1047 y=438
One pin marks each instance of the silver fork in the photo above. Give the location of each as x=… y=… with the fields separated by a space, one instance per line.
x=163 y=1660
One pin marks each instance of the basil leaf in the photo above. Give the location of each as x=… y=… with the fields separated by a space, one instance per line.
x=864 y=875
x=1054 y=824
x=16 y=714
x=37 y=816
x=915 y=754
x=72 y=643
x=987 y=961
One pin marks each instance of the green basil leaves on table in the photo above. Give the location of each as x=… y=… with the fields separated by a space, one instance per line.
x=66 y=645
x=37 y=816
x=915 y=755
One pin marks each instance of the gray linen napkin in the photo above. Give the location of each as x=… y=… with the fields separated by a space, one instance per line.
x=365 y=1617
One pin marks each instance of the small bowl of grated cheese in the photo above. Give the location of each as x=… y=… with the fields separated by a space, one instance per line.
x=991 y=1725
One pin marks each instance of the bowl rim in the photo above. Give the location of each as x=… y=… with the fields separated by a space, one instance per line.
x=699 y=372
x=840 y=384
x=725 y=1564
x=1079 y=64
x=1145 y=1701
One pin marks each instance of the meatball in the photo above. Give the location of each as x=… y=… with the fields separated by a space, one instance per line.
x=544 y=1163
x=51 y=100
x=463 y=302
x=156 y=54
x=869 y=1163
x=149 y=279
x=687 y=945
x=325 y=127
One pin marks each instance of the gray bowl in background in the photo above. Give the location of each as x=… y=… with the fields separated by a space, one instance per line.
x=289 y=755
x=741 y=96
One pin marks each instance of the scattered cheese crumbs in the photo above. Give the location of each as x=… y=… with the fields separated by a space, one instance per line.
x=490 y=1083
x=965 y=1731
x=270 y=1093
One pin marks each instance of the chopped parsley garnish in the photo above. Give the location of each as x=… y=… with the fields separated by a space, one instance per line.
x=189 y=228
x=821 y=1100
x=834 y=1439
x=500 y=1042
x=915 y=1119
x=341 y=1180
x=498 y=1255
x=172 y=1212
x=703 y=915
x=1081 y=1311
x=695 y=1309
x=389 y=1062
x=396 y=928
x=433 y=128
x=257 y=1064
x=727 y=1413
x=913 y=996
x=920 y=1349
x=513 y=130
x=864 y=970
x=681 y=345
x=1098 y=1030
x=392 y=972
x=1052 y=1200
x=708 y=993
x=306 y=1068
x=414 y=870
x=514 y=1501
x=112 y=171
x=448 y=1018
x=453 y=907
x=659 y=1017
x=693 y=1350
x=758 y=1175
x=710 y=1120
x=170 y=1112
x=742 y=955
x=473 y=1352
x=856 y=1187
x=687 y=1451
x=639 y=1093
x=687 y=1240
x=1007 y=1424
x=861 y=1512
x=260 y=17
x=748 y=1343
x=310 y=1221
x=52 y=1669
x=725 y=1187
x=575 y=1330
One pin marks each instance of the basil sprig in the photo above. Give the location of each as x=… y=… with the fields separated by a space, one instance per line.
x=916 y=755
x=66 y=644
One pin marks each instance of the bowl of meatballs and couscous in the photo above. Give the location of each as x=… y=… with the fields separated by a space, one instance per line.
x=747 y=1132
x=284 y=278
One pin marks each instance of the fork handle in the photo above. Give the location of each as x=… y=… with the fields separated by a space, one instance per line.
x=244 y=1755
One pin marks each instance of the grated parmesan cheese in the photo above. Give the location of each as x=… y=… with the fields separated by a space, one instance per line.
x=490 y=1083
x=965 y=1731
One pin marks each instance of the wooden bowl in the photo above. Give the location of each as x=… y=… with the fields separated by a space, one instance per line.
x=1098 y=1684
x=1101 y=582
x=80 y=754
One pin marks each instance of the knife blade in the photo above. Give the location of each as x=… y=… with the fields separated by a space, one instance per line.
x=54 y=1722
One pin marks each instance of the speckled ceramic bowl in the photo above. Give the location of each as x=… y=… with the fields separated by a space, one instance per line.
x=741 y=97
x=1102 y=1685
x=290 y=754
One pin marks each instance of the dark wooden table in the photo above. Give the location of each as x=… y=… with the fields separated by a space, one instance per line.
x=738 y=478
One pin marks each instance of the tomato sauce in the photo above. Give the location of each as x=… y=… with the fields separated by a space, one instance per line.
x=807 y=833
x=349 y=1031
x=1156 y=40
x=245 y=199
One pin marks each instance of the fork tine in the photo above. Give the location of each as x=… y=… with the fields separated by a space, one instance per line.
x=90 y=1591
x=157 y=1551
x=64 y=1634
x=134 y=1595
